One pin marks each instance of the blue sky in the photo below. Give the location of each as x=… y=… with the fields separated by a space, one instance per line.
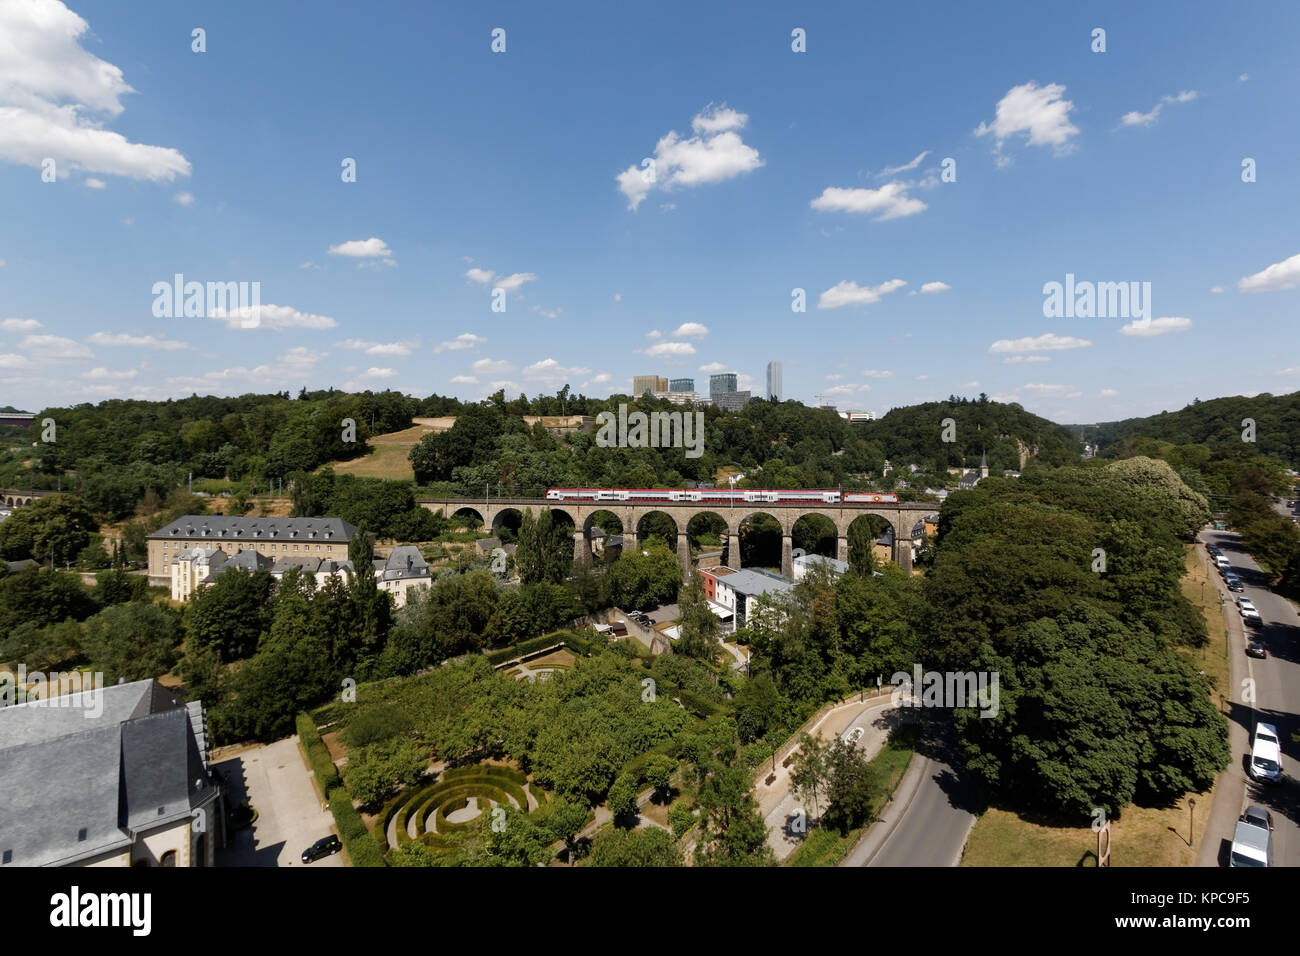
x=774 y=170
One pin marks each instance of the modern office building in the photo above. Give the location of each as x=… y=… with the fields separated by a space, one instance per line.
x=681 y=385
x=775 y=392
x=856 y=417
x=730 y=401
x=648 y=383
x=722 y=382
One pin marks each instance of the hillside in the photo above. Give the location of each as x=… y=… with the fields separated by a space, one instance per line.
x=1011 y=436
x=1217 y=424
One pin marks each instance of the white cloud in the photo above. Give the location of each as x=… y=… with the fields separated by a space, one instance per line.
x=466 y=340
x=1017 y=359
x=1135 y=118
x=92 y=183
x=1278 y=276
x=850 y=293
x=833 y=377
x=481 y=276
x=2 y=263
x=274 y=318
x=10 y=360
x=1037 y=111
x=1149 y=327
x=654 y=334
x=600 y=378
x=464 y=380
x=932 y=288
x=713 y=368
x=691 y=330
x=1243 y=78
x=714 y=154
x=923 y=378
x=1042 y=389
x=1109 y=392
x=551 y=372
x=53 y=348
x=890 y=201
x=974 y=383
x=514 y=281
x=660 y=349
x=298 y=360
x=487 y=366
x=20 y=325
x=103 y=373
x=1048 y=342
x=309 y=265
x=618 y=296
x=184 y=199
x=1216 y=289
x=893 y=170
x=547 y=313
x=381 y=373
x=50 y=92
x=388 y=349
x=877 y=373
x=161 y=343
x=372 y=248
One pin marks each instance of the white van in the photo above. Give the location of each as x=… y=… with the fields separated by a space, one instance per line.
x=1222 y=563
x=1266 y=754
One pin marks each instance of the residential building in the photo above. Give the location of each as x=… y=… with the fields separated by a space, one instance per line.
x=677 y=398
x=403 y=570
x=648 y=383
x=110 y=776
x=806 y=562
x=747 y=593
x=191 y=568
x=775 y=392
x=270 y=537
x=972 y=478
x=319 y=570
x=681 y=385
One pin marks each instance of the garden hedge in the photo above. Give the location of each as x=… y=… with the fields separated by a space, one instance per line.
x=361 y=846
x=318 y=756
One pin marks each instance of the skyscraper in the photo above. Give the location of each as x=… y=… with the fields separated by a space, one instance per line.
x=774 y=390
x=722 y=382
x=648 y=383
x=681 y=385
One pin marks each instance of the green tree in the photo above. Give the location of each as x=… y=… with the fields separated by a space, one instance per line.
x=132 y=641
x=622 y=797
x=649 y=847
x=699 y=625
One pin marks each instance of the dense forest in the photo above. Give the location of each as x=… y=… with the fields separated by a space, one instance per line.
x=1218 y=424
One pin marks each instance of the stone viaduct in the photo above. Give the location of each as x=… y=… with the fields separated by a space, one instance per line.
x=15 y=498
x=901 y=517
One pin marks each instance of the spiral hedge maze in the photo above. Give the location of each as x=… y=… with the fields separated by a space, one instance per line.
x=422 y=812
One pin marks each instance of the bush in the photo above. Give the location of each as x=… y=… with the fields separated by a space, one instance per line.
x=318 y=757
x=681 y=818
x=361 y=846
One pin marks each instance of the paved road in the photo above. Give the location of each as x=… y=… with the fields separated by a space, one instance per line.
x=1276 y=683
x=290 y=817
x=932 y=812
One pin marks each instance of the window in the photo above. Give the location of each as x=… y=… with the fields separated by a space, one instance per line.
x=168 y=858
x=295 y=547
x=8 y=857
x=318 y=549
x=81 y=834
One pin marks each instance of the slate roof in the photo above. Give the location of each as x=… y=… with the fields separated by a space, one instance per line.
x=244 y=528
x=753 y=584
x=406 y=561
x=66 y=771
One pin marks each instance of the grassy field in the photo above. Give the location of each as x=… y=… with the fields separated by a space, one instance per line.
x=390 y=454
x=1141 y=836
x=825 y=846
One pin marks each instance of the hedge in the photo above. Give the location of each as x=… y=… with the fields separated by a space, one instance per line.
x=361 y=846
x=318 y=757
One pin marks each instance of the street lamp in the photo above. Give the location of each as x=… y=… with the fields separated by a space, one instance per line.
x=1191 y=817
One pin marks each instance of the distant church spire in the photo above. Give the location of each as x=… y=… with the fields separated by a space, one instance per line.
x=984 y=464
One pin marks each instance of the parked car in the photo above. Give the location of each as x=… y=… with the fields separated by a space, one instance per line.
x=1233 y=582
x=1266 y=754
x=1252 y=840
x=1256 y=649
x=1222 y=563
x=321 y=848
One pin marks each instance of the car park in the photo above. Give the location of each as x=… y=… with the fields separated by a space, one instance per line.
x=1266 y=754
x=1256 y=649
x=1252 y=840
x=321 y=848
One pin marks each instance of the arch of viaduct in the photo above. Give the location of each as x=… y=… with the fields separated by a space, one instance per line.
x=16 y=498
x=901 y=517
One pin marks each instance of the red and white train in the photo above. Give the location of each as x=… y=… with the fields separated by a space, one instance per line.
x=804 y=496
